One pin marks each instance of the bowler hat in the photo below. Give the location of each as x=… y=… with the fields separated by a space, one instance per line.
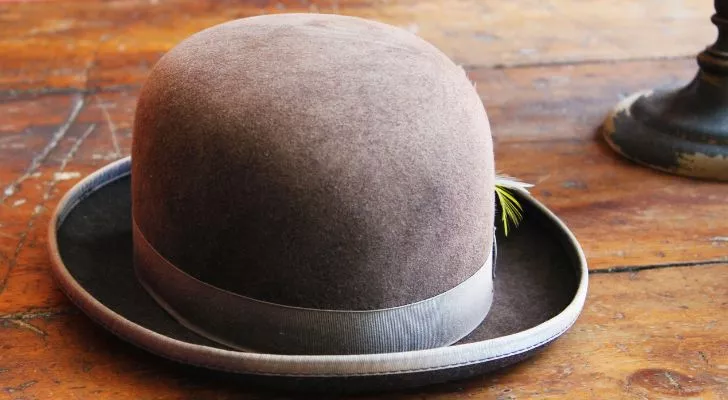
x=310 y=200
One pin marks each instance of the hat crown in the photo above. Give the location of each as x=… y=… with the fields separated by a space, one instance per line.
x=314 y=161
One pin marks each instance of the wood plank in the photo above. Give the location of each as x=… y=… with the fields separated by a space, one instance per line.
x=644 y=335
x=567 y=101
x=67 y=44
x=46 y=150
x=623 y=214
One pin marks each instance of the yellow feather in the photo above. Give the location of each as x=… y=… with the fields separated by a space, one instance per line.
x=511 y=209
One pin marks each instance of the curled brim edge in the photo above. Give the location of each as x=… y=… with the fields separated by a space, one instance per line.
x=454 y=356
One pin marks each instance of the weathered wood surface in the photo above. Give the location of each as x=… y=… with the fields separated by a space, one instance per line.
x=93 y=44
x=657 y=334
x=645 y=334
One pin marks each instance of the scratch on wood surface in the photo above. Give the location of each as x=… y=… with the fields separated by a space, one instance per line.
x=69 y=156
x=21 y=320
x=18 y=247
x=77 y=145
x=40 y=207
x=28 y=326
x=65 y=176
x=672 y=381
x=19 y=388
x=112 y=127
x=36 y=162
x=634 y=269
x=87 y=70
x=93 y=61
x=34 y=314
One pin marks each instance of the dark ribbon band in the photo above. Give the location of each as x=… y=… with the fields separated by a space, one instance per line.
x=248 y=324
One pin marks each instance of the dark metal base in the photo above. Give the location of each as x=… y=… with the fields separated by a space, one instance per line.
x=684 y=131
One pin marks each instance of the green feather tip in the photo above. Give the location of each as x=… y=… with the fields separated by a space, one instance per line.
x=511 y=209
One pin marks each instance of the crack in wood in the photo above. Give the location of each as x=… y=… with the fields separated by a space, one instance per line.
x=14 y=95
x=112 y=127
x=567 y=62
x=21 y=320
x=19 y=388
x=94 y=61
x=18 y=248
x=672 y=381
x=28 y=326
x=74 y=149
x=40 y=207
x=47 y=195
x=91 y=64
x=38 y=160
x=34 y=314
x=638 y=268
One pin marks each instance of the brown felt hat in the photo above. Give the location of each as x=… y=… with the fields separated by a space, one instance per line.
x=310 y=201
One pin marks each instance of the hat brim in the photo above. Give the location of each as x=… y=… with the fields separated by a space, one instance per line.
x=540 y=287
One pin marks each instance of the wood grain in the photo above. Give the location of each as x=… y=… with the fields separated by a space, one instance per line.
x=566 y=101
x=99 y=44
x=658 y=334
x=624 y=215
x=45 y=149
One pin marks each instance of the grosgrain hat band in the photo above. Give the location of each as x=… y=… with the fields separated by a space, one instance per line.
x=245 y=323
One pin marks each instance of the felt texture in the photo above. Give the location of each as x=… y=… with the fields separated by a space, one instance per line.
x=535 y=277
x=316 y=161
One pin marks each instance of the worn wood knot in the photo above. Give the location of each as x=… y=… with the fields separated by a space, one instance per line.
x=667 y=382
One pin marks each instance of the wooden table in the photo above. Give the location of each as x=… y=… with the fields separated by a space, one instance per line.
x=655 y=325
